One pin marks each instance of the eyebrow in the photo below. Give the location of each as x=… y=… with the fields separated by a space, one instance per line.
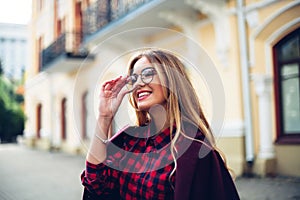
x=143 y=70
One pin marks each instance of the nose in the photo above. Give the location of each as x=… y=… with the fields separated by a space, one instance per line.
x=139 y=82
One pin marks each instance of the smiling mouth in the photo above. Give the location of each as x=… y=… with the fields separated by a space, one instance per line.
x=142 y=95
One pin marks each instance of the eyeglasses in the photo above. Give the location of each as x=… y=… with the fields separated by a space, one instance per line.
x=146 y=77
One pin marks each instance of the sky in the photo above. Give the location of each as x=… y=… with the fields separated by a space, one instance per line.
x=15 y=11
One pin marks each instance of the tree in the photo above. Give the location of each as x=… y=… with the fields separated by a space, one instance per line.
x=11 y=114
x=1 y=70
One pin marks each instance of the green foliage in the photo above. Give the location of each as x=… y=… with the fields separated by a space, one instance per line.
x=11 y=114
x=1 y=70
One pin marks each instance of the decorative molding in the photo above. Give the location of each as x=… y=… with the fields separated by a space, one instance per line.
x=263 y=87
x=234 y=128
x=210 y=8
x=269 y=43
x=274 y=16
x=217 y=13
x=274 y=35
x=259 y=5
x=187 y=21
x=252 y=19
x=263 y=83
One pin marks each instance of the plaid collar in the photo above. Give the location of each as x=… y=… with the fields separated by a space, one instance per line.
x=149 y=133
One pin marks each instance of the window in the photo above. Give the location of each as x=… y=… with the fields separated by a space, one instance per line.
x=38 y=120
x=64 y=119
x=287 y=88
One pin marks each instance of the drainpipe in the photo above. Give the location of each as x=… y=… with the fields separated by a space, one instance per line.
x=245 y=81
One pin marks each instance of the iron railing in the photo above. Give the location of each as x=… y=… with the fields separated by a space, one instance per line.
x=66 y=44
x=95 y=17
x=102 y=12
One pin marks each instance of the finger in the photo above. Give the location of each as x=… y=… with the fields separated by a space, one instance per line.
x=108 y=85
x=132 y=89
x=112 y=81
x=120 y=84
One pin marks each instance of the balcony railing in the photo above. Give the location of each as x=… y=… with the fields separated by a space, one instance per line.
x=67 y=44
x=102 y=12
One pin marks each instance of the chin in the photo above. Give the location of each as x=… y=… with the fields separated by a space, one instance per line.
x=143 y=108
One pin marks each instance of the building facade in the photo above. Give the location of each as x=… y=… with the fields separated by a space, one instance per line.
x=14 y=50
x=245 y=65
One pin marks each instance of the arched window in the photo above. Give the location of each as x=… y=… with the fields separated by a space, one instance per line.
x=38 y=120
x=64 y=119
x=287 y=87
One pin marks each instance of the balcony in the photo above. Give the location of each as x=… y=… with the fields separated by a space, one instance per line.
x=103 y=12
x=64 y=55
x=105 y=18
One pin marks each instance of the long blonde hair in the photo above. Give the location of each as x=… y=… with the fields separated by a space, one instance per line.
x=182 y=101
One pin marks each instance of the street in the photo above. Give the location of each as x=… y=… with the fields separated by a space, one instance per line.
x=28 y=174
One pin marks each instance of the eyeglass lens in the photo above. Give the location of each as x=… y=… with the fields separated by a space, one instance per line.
x=146 y=77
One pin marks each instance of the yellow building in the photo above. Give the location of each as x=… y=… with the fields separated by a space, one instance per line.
x=244 y=59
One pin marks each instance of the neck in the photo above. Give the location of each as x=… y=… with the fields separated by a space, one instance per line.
x=159 y=117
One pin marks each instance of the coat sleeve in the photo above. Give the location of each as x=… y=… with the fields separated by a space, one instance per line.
x=203 y=176
x=221 y=183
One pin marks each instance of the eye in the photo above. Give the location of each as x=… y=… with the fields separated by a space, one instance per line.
x=132 y=79
x=148 y=72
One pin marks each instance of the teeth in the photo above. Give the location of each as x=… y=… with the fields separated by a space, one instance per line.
x=143 y=94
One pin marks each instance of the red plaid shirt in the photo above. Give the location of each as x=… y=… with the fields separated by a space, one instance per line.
x=138 y=166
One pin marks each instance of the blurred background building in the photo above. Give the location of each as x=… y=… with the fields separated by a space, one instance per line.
x=254 y=44
x=14 y=51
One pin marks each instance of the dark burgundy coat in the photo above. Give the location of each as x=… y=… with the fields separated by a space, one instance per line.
x=203 y=177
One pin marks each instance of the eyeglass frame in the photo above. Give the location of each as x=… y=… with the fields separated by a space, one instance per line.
x=130 y=86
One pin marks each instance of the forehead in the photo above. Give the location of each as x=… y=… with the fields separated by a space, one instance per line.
x=141 y=64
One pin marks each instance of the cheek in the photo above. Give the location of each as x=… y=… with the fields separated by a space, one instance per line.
x=161 y=92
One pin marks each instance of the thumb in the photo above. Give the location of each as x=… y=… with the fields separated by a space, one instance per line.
x=122 y=93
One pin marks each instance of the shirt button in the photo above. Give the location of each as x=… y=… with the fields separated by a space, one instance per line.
x=108 y=162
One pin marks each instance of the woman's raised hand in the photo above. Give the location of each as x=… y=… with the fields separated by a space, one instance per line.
x=111 y=96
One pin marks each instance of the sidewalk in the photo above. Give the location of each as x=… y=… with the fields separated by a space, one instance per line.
x=28 y=174
x=277 y=188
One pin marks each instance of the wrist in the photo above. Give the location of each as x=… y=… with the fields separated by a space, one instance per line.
x=102 y=139
x=105 y=117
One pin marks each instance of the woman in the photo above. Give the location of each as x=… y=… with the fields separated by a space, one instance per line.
x=170 y=153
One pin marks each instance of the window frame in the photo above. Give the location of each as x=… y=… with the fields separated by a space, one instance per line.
x=282 y=136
